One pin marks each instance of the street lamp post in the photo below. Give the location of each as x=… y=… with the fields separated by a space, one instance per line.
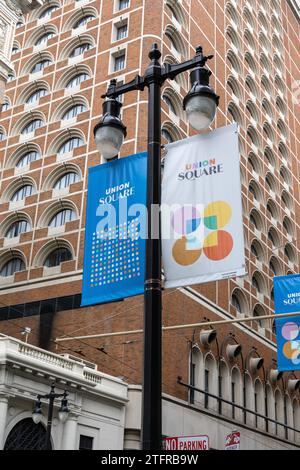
x=62 y=413
x=200 y=104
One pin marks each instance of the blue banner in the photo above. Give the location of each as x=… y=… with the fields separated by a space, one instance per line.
x=114 y=251
x=287 y=300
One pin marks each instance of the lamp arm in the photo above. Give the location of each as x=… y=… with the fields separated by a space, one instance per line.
x=113 y=91
x=172 y=70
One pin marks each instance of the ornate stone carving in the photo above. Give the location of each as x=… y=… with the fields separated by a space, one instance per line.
x=23 y=6
x=3 y=29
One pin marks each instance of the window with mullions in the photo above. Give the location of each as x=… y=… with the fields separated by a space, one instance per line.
x=122 y=32
x=14 y=265
x=62 y=217
x=32 y=125
x=70 y=145
x=17 y=227
x=57 y=257
x=5 y=106
x=48 y=11
x=14 y=50
x=27 y=158
x=123 y=4
x=82 y=21
x=80 y=49
x=21 y=193
x=119 y=62
x=169 y=102
x=2 y=136
x=65 y=180
x=75 y=81
x=43 y=39
x=85 y=442
x=74 y=111
x=40 y=66
x=166 y=134
x=36 y=95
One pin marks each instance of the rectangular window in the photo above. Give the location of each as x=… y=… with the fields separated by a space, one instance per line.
x=220 y=394
x=206 y=388
x=119 y=63
x=85 y=442
x=233 y=399
x=122 y=32
x=192 y=392
x=123 y=4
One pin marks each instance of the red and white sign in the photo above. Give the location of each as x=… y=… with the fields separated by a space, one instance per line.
x=233 y=441
x=186 y=443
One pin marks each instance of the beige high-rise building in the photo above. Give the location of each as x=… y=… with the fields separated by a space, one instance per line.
x=64 y=54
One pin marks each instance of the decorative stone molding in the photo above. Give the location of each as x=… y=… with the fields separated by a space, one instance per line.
x=23 y=6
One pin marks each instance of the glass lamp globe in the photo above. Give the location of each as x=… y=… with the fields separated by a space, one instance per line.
x=201 y=111
x=109 y=140
x=37 y=413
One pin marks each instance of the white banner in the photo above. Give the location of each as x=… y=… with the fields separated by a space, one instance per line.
x=202 y=225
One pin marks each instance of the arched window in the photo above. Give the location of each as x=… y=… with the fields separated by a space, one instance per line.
x=196 y=366
x=82 y=21
x=273 y=237
x=31 y=126
x=2 y=135
x=17 y=227
x=44 y=38
x=258 y=282
x=5 y=106
x=62 y=217
x=259 y=312
x=169 y=102
x=248 y=398
x=36 y=95
x=12 y=266
x=26 y=435
x=290 y=253
x=210 y=382
x=22 y=192
x=70 y=144
x=78 y=50
x=257 y=250
x=75 y=81
x=65 y=180
x=74 y=111
x=166 y=134
x=279 y=413
x=48 y=11
x=27 y=158
x=288 y=226
x=236 y=392
x=58 y=256
x=40 y=65
x=223 y=387
x=259 y=403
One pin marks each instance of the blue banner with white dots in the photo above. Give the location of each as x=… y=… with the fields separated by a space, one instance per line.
x=116 y=230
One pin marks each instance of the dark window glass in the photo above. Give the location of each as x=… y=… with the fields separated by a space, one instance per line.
x=22 y=192
x=122 y=32
x=77 y=80
x=32 y=125
x=40 y=65
x=206 y=387
x=74 y=111
x=169 y=102
x=123 y=4
x=82 y=21
x=66 y=215
x=20 y=226
x=43 y=39
x=80 y=49
x=57 y=257
x=65 y=180
x=36 y=95
x=85 y=442
x=27 y=158
x=119 y=62
x=70 y=144
x=12 y=266
x=48 y=11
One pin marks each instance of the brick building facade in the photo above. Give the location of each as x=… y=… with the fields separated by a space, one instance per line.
x=64 y=55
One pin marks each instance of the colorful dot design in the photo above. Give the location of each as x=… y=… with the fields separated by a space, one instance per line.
x=217 y=245
x=115 y=255
x=290 y=331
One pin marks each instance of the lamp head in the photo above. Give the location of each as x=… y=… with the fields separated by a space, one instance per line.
x=233 y=350
x=63 y=411
x=207 y=336
x=275 y=375
x=201 y=102
x=110 y=132
x=293 y=385
x=255 y=364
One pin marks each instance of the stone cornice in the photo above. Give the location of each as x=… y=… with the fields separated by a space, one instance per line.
x=23 y=6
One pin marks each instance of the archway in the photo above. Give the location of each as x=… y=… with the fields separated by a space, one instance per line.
x=26 y=435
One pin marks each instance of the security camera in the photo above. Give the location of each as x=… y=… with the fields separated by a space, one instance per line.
x=207 y=336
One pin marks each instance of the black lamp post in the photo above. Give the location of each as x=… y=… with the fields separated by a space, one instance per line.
x=62 y=413
x=200 y=105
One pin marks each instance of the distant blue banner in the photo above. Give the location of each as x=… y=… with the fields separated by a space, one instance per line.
x=114 y=251
x=287 y=300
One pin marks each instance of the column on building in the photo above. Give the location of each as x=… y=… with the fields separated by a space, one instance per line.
x=3 y=418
